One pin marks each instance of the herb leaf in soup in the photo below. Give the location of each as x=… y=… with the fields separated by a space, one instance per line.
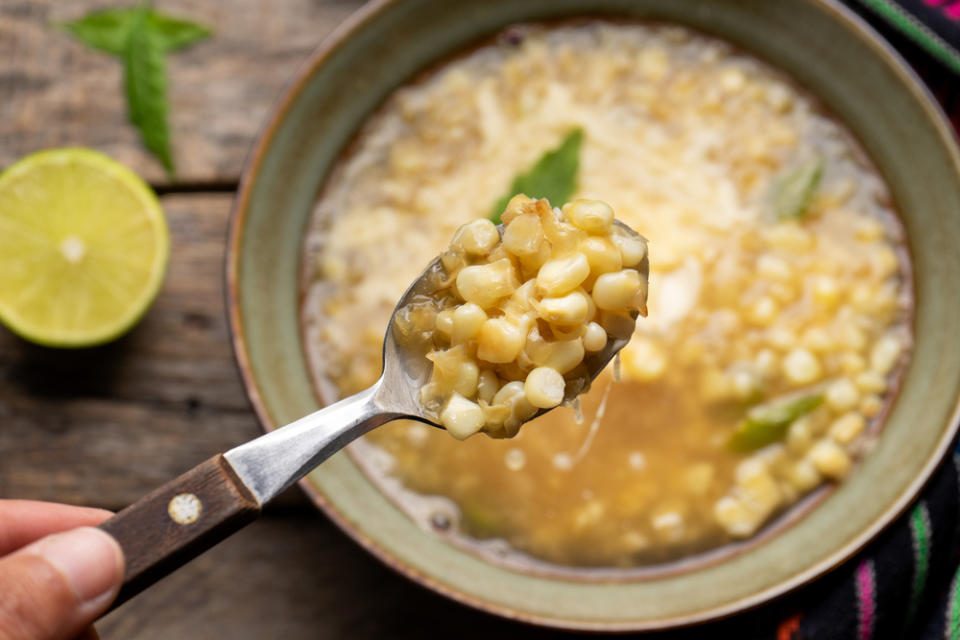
x=768 y=423
x=553 y=176
x=793 y=191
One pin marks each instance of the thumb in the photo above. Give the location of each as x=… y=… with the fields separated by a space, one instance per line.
x=53 y=588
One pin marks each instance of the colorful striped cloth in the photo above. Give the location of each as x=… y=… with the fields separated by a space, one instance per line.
x=906 y=584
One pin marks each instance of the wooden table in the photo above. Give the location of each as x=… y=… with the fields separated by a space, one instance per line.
x=103 y=426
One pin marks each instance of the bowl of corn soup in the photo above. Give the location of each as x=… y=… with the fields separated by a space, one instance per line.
x=787 y=393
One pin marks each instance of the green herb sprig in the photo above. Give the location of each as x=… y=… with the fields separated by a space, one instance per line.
x=141 y=38
x=768 y=423
x=793 y=191
x=553 y=176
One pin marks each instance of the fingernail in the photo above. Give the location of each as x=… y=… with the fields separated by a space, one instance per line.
x=90 y=560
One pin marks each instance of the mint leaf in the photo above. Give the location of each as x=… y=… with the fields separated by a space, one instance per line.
x=793 y=191
x=104 y=30
x=175 y=33
x=553 y=176
x=145 y=81
x=109 y=29
x=768 y=423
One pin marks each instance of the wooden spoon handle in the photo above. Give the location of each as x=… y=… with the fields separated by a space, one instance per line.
x=177 y=522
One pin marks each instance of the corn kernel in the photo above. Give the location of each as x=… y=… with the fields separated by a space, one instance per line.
x=763 y=312
x=871 y=406
x=852 y=363
x=602 y=255
x=523 y=237
x=885 y=353
x=847 y=427
x=825 y=291
x=643 y=359
x=562 y=356
x=444 y=322
x=799 y=436
x=830 y=460
x=593 y=216
x=616 y=291
x=871 y=382
x=563 y=275
x=869 y=230
x=499 y=341
x=632 y=249
x=467 y=320
x=771 y=267
x=803 y=475
x=485 y=285
x=817 y=339
x=801 y=367
x=781 y=338
x=487 y=385
x=595 y=337
x=568 y=311
x=544 y=387
x=477 y=237
x=842 y=395
x=461 y=417
x=734 y=516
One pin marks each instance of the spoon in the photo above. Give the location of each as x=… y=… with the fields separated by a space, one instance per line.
x=180 y=520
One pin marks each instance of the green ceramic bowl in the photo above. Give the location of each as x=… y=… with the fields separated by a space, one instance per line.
x=826 y=49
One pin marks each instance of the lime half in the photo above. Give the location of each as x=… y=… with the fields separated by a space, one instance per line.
x=83 y=248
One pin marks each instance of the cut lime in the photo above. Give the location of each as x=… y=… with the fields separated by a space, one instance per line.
x=83 y=248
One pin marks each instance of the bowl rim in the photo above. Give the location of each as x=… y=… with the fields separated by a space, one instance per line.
x=857 y=27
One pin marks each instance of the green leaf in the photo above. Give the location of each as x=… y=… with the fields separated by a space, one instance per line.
x=768 y=423
x=104 y=30
x=174 y=33
x=108 y=30
x=145 y=81
x=793 y=191
x=553 y=176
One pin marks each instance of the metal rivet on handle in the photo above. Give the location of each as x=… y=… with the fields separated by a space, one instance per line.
x=185 y=508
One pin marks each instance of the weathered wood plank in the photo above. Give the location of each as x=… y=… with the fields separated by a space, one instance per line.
x=56 y=92
x=104 y=426
x=295 y=576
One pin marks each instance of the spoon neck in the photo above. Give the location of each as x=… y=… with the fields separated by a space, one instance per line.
x=273 y=462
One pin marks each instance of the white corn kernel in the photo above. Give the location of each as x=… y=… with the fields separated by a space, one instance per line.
x=544 y=387
x=825 y=291
x=523 y=237
x=871 y=406
x=763 y=312
x=801 y=367
x=602 y=255
x=847 y=427
x=842 y=395
x=616 y=291
x=643 y=359
x=803 y=475
x=829 y=459
x=799 y=436
x=461 y=417
x=563 y=275
x=467 y=320
x=871 y=382
x=760 y=493
x=444 y=322
x=735 y=517
x=771 y=267
x=595 y=337
x=852 y=363
x=817 y=339
x=781 y=338
x=632 y=249
x=885 y=353
x=593 y=216
x=477 y=237
x=499 y=341
x=568 y=311
x=468 y=376
x=487 y=385
x=486 y=284
x=562 y=356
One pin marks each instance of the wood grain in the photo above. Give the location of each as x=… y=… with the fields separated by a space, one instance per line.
x=56 y=92
x=105 y=426
x=295 y=576
x=158 y=536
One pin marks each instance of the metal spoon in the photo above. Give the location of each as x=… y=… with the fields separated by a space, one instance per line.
x=185 y=517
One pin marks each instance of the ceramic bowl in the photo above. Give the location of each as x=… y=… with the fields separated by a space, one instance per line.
x=826 y=49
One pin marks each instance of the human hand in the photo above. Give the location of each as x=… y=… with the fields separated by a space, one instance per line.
x=55 y=579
